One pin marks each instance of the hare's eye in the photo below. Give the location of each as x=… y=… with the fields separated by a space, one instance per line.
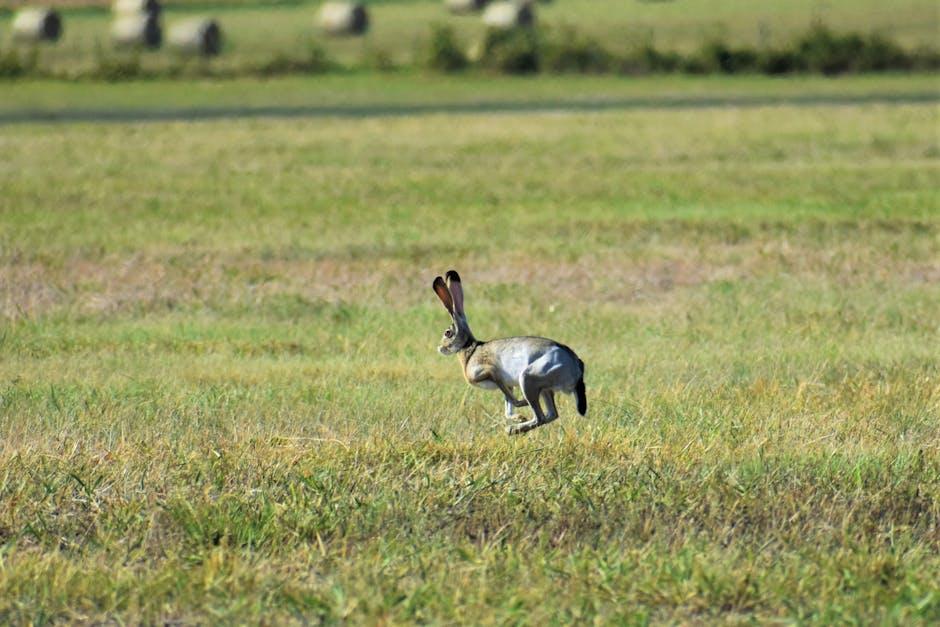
x=448 y=333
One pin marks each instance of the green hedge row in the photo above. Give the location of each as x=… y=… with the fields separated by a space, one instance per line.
x=818 y=51
x=531 y=50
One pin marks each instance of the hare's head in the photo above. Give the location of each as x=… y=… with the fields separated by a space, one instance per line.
x=457 y=336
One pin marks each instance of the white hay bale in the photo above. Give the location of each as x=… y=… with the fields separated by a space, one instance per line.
x=33 y=25
x=343 y=18
x=197 y=36
x=141 y=30
x=464 y=6
x=508 y=15
x=134 y=7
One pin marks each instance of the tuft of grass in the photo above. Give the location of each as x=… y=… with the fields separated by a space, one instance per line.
x=315 y=61
x=570 y=51
x=444 y=51
x=516 y=51
x=114 y=68
x=17 y=63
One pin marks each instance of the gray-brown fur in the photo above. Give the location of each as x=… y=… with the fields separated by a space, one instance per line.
x=538 y=366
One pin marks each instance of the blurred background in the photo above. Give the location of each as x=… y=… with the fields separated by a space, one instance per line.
x=268 y=37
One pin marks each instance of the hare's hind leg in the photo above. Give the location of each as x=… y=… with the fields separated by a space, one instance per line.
x=531 y=389
x=549 y=397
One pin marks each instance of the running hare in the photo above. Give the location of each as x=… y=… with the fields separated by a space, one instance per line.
x=538 y=366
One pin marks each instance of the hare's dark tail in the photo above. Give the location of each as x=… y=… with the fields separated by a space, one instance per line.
x=579 y=391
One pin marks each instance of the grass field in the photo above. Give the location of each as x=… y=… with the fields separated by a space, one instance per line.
x=362 y=95
x=256 y=32
x=220 y=398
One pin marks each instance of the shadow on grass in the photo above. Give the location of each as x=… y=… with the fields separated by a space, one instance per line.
x=193 y=114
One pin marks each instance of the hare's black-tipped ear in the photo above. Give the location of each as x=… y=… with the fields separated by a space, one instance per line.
x=456 y=289
x=444 y=294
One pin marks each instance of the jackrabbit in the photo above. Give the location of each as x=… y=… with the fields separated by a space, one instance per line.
x=538 y=366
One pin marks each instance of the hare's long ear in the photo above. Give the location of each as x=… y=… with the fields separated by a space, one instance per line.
x=456 y=289
x=444 y=294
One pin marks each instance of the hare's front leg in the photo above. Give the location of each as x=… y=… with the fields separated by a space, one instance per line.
x=487 y=378
x=511 y=401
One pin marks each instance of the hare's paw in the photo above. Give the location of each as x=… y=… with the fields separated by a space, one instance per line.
x=516 y=419
x=522 y=427
x=512 y=404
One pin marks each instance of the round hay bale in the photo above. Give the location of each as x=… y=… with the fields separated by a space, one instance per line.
x=464 y=6
x=343 y=18
x=197 y=36
x=33 y=25
x=137 y=31
x=508 y=15
x=133 y=7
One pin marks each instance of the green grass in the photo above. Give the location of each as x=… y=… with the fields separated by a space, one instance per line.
x=220 y=398
x=366 y=92
x=256 y=33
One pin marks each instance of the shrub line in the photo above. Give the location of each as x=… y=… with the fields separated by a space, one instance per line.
x=527 y=51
